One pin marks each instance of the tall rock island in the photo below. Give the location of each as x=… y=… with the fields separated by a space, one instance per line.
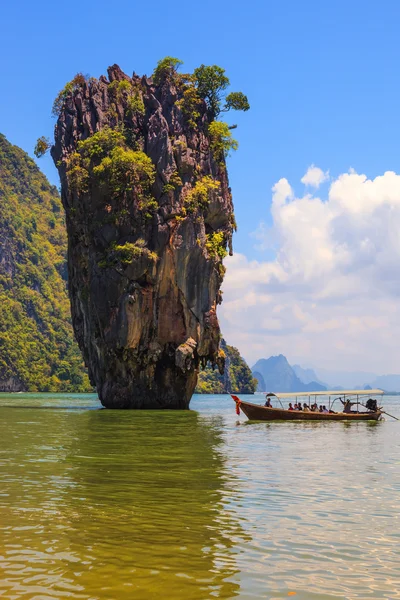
x=149 y=217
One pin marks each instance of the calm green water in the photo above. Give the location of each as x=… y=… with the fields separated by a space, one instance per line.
x=98 y=504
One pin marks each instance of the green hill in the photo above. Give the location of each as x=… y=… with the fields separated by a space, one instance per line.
x=37 y=347
x=236 y=379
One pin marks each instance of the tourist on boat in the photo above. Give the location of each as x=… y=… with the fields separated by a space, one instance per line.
x=268 y=403
x=372 y=405
x=325 y=410
x=314 y=407
x=321 y=409
x=305 y=407
x=347 y=405
x=299 y=406
x=290 y=406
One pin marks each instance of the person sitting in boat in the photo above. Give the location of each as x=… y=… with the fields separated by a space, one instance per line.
x=299 y=406
x=305 y=407
x=324 y=409
x=321 y=409
x=290 y=406
x=268 y=403
x=314 y=407
x=372 y=405
x=347 y=405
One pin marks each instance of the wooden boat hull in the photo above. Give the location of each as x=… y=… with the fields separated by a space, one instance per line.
x=254 y=412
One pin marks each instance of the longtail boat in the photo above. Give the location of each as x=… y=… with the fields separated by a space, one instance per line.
x=348 y=398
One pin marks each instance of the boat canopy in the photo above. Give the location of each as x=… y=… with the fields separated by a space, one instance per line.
x=337 y=393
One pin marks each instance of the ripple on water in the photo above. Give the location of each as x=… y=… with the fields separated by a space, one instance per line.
x=101 y=505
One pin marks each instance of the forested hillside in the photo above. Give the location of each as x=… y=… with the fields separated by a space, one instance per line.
x=236 y=379
x=37 y=347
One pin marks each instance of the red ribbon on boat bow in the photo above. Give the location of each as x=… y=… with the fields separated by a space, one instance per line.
x=238 y=403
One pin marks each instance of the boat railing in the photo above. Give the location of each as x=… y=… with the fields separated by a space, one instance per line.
x=354 y=396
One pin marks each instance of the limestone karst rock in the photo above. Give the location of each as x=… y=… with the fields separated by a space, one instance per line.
x=149 y=216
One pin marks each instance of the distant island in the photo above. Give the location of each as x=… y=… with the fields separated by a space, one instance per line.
x=276 y=374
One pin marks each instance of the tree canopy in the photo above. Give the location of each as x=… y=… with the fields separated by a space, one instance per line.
x=166 y=68
x=211 y=83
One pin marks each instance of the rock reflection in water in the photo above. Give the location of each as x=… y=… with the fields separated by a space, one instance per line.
x=107 y=504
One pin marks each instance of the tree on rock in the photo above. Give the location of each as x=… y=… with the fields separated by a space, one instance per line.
x=166 y=68
x=211 y=83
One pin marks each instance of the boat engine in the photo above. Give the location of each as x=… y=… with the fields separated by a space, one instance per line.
x=372 y=405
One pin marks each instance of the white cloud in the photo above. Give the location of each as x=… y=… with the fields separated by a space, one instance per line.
x=330 y=297
x=314 y=177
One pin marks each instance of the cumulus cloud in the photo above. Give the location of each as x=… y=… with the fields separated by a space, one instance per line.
x=330 y=296
x=314 y=177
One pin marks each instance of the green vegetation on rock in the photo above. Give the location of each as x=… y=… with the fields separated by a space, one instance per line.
x=207 y=84
x=221 y=140
x=37 y=347
x=198 y=197
x=107 y=158
x=78 y=81
x=42 y=146
x=124 y=254
x=211 y=83
x=166 y=69
x=236 y=379
x=126 y=90
x=216 y=245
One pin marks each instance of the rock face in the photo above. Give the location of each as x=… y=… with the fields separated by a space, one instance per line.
x=146 y=238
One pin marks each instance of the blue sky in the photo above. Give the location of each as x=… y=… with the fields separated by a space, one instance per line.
x=322 y=79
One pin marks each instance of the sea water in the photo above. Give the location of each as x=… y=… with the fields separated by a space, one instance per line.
x=117 y=505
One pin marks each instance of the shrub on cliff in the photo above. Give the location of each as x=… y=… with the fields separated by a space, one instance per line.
x=106 y=156
x=166 y=69
x=43 y=144
x=78 y=81
x=221 y=140
x=216 y=245
x=199 y=196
